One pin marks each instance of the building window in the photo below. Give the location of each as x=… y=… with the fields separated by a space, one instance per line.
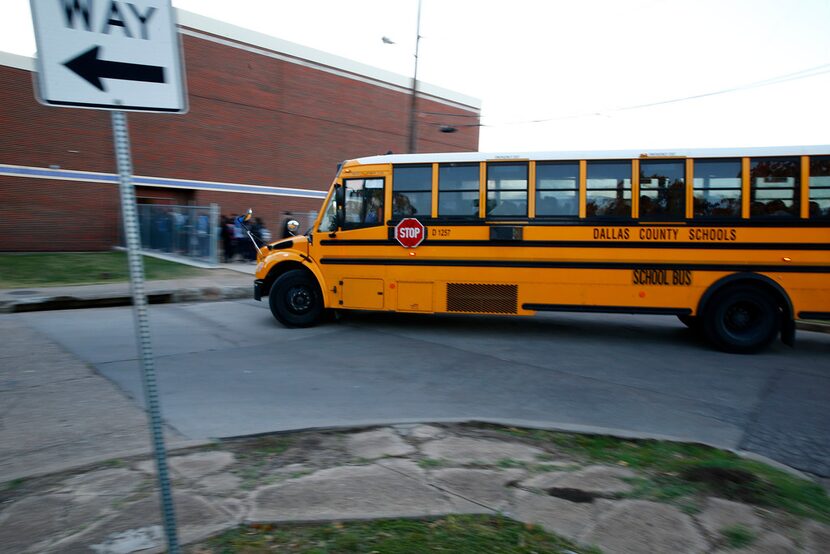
x=507 y=190
x=662 y=189
x=774 y=187
x=820 y=187
x=411 y=191
x=717 y=188
x=608 y=191
x=557 y=189
x=458 y=186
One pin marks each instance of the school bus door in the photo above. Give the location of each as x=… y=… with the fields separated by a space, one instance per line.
x=362 y=219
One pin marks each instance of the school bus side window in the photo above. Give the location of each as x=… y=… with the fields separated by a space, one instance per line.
x=411 y=191
x=717 y=188
x=662 y=189
x=458 y=186
x=774 y=187
x=557 y=189
x=820 y=187
x=363 y=203
x=507 y=189
x=608 y=189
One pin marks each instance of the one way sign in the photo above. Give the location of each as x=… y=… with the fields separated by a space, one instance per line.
x=109 y=54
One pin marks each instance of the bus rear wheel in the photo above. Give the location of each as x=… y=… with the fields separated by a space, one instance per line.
x=295 y=299
x=742 y=319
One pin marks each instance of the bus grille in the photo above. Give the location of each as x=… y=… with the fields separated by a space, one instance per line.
x=490 y=299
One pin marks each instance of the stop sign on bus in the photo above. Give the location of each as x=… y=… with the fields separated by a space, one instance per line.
x=410 y=232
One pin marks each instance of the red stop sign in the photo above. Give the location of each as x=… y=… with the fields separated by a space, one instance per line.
x=410 y=232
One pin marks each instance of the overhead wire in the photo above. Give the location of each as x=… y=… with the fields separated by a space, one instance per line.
x=802 y=74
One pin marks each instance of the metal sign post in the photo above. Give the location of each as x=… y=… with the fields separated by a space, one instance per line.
x=118 y=56
x=121 y=137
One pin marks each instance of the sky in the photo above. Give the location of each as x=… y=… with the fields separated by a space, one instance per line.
x=574 y=74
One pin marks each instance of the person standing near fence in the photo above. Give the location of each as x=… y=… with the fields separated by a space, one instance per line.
x=227 y=239
x=237 y=244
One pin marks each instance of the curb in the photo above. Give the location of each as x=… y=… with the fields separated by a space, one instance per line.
x=109 y=300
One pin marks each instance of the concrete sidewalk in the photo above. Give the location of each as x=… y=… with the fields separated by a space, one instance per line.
x=409 y=471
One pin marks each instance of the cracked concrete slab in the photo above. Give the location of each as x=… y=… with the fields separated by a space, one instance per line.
x=816 y=537
x=26 y=524
x=719 y=514
x=466 y=450
x=766 y=543
x=134 y=523
x=634 y=526
x=350 y=492
x=567 y=519
x=377 y=443
x=106 y=482
x=485 y=487
x=596 y=480
x=199 y=464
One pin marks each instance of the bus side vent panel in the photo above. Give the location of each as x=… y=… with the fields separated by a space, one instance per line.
x=489 y=299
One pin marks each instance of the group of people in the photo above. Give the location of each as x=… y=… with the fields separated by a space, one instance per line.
x=235 y=240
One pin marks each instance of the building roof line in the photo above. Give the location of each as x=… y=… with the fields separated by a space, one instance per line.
x=199 y=26
x=295 y=53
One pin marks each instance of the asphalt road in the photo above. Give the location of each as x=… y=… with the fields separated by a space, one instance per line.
x=228 y=369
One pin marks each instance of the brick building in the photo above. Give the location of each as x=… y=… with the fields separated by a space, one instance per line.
x=268 y=122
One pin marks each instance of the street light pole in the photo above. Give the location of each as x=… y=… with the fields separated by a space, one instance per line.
x=413 y=108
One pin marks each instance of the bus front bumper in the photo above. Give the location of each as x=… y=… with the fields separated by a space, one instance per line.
x=258 y=289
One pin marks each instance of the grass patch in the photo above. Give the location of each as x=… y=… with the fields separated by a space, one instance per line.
x=454 y=534
x=14 y=484
x=269 y=446
x=258 y=457
x=431 y=463
x=737 y=536
x=85 y=268
x=677 y=471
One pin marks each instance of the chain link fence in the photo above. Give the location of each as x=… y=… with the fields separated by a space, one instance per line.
x=196 y=231
x=189 y=231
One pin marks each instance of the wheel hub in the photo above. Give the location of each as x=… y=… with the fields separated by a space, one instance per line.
x=299 y=299
x=741 y=317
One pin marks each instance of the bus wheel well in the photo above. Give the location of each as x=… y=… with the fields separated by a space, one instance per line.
x=763 y=285
x=278 y=270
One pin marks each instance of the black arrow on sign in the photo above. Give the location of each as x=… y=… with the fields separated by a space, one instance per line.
x=88 y=66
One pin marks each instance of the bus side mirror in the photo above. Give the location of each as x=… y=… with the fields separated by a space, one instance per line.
x=340 y=204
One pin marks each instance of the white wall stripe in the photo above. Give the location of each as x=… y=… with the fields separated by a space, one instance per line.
x=8 y=170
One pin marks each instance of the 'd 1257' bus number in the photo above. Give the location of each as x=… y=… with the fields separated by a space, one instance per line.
x=438 y=232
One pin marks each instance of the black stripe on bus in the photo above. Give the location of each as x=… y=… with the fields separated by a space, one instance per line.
x=814 y=315
x=590 y=244
x=606 y=309
x=577 y=265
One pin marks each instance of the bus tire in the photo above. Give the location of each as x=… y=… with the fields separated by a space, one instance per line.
x=742 y=319
x=295 y=299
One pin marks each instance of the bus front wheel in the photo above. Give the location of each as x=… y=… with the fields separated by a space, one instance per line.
x=295 y=299
x=742 y=319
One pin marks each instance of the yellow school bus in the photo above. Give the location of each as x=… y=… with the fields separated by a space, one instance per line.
x=734 y=242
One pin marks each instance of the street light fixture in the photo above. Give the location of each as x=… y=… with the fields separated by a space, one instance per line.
x=413 y=106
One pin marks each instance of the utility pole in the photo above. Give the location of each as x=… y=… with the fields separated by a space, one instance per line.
x=413 y=108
